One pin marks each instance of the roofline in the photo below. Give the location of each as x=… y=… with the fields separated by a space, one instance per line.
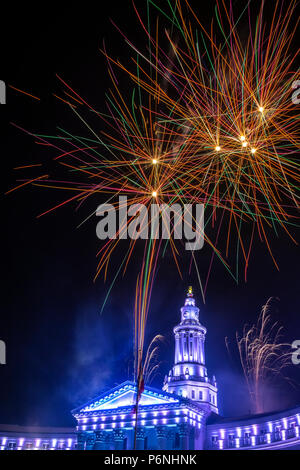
x=111 y=390
x=16 y=428
x=133 y=384
x=220 y=420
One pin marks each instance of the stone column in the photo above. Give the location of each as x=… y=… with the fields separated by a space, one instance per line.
x=118 y=439
x=202 y=351
x=161 y=433
x=171 y=439
x=183 y=430
x=140 y=438
x=81 y=437
x=100 y=440
x=177 y=349
x=192 y=349
x=110 y=442
x=90 y=441
x=185 y=348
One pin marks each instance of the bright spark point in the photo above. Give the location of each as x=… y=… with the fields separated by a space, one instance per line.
x=245 y=144
x=154 y=194
x=253 y=151
x=154 y=161
x=261 y=109
x=218 y=148
x=242 y=138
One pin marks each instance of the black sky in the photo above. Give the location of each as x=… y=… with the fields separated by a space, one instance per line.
x=60 y=350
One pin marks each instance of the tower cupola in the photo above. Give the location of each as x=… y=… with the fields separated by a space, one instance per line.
x=188 y=377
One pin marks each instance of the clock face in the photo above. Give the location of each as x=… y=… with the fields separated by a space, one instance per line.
x=185 y=314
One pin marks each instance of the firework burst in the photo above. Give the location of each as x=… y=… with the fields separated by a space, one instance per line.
x=231 y=98
x=263 y=356
x=207 y=119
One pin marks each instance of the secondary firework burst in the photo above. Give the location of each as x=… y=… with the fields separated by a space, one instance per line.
x=263 y=356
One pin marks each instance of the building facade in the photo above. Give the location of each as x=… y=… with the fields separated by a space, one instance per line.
x=13 y=437
x=165 y=421
x=265 y=431
x=181 y=416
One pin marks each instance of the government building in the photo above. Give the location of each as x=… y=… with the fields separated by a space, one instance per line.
x=183 y=415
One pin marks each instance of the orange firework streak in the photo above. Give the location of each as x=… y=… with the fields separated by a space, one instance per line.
x=242 y=139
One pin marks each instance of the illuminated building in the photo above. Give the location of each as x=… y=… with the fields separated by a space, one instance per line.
x=279 y=430
x=172 y=418
x=183 y=415
x=36 y=438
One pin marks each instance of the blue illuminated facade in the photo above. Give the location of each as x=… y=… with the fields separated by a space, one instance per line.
x=14 y=437
x=181 y=416
x=165 y=421
x=267 y=431
x=172 y=418
x=188 y=377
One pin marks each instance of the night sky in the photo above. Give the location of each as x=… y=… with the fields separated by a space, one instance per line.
x=60 y=350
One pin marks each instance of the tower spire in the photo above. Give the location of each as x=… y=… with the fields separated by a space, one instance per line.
x=188 y=377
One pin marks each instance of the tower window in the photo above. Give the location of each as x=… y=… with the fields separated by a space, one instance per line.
x=193 y=393
x=200 y=395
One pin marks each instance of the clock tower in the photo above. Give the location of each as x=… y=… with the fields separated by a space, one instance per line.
x=188 y=377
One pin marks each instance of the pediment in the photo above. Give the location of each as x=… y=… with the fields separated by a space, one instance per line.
x=125 y=395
